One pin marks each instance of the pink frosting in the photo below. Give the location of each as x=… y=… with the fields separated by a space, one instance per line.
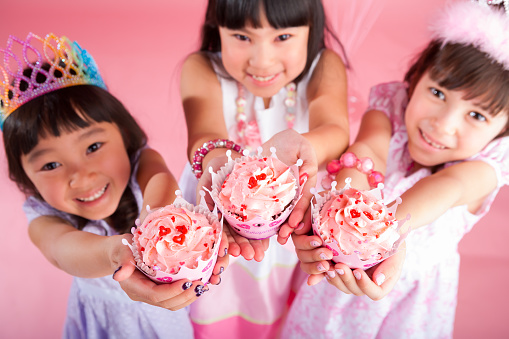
x=360 y=224
x=171 y=237
x=258 y=187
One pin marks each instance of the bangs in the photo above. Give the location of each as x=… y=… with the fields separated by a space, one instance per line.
x=465 y=68
x=280 y=13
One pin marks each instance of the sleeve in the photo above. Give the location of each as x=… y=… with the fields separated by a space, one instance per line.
x=390 y=98
x=35 y=208
x=496 y=153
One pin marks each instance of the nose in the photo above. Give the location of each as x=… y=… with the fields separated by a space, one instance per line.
x=262 y=56
x=447 y=122
x=80 y=176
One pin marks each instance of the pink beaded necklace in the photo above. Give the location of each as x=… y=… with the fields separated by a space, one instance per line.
x=248 y=132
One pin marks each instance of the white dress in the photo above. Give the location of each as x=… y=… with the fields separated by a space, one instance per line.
x=423 y=302
x=98 y=307
x=252 y=296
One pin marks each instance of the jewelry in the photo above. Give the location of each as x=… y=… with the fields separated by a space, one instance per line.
x=248 y=132
x=58 y=61
x=201 y=152
x=350 y=160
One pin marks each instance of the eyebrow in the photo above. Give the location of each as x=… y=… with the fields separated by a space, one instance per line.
x=91 y=132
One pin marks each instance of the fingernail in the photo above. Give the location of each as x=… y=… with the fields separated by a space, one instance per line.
x=323 y=256
x=331 y=274
x=340 y=271
x=300 y=226
x=198 y=294
x=225 y=252
x=320 y=267
x=198 y=289
x=379 y=279
x=219 y=281
x=118 y=269
x=303 y=177
x=315 y=243
x=186 y=285
x=221 y=270
x=357 y=275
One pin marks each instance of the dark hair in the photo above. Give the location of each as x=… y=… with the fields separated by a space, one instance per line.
x=57 y=112
x=464 y=68
x=235 y=14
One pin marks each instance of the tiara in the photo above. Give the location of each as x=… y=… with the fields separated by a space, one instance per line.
x=36 y=66
x=476 y=23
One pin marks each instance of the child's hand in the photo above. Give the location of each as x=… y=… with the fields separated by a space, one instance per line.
x=248 y=248
x=222 y=261
x=314 y=259
x=290 y=147
x=375 y=282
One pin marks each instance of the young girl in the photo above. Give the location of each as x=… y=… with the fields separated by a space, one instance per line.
x=263 y=68
x=82 y=161
x=441 y=138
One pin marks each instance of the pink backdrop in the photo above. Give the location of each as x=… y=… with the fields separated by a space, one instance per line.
x=139 y=49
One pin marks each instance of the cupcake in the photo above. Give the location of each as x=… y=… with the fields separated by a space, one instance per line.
x=256 y=194
x=177 y=241
x=357 y=226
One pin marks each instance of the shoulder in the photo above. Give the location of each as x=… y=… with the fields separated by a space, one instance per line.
x=197 y=75
x=328 y=75
x=35 y=208
x=390 y=98
x=329 y=62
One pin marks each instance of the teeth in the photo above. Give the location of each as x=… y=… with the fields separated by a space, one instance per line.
x=435 y=145
x=95 y=196
x=257 y=78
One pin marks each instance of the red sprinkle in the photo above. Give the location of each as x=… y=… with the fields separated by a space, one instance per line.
x=179 y=239
x=367 y=214
x=173 y=218
x=262 y=176
x=181 y=229
x=354 y=214
x=206 y=245
x=142 y=249
x=163 y=231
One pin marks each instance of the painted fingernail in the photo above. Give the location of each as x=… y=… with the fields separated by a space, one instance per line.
x=323 y=256
x=221 y=270
x=303 y=177
x=187 y=285
x=300 y=226
x=331 y=274
x=225 y=252
x=315 y=243
x=320 y=267
x=198 y=289
x=357 y=275
x=340 y=271
x=219 y=281
x=118 y=269
x=379 y=279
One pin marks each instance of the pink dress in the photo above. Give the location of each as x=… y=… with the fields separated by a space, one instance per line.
x=423 y=302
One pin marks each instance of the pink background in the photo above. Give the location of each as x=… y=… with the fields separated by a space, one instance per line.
x=139 y=49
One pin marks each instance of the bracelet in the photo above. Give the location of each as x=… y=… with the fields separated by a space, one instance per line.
x=350 y=160
x=206 y=148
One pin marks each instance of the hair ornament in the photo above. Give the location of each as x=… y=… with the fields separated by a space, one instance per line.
x=476 y=23
x=52 y=63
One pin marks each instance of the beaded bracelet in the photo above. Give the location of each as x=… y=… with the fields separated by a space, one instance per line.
x=350 y=160
x=206 y=148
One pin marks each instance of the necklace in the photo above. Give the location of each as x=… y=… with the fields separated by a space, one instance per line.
x=248 y=132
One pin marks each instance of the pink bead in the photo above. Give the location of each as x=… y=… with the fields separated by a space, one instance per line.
x=240 y=101
x=237 y=148
x=197 y=167
x=333 y=166
x=229 y=144
x=365 y=165
x=197 y=158
x=348 y=160
x=204 y=151
x=375 y=178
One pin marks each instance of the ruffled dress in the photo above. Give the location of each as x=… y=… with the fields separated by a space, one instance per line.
x=423 y=302
x=98 y=307
x=252 y=296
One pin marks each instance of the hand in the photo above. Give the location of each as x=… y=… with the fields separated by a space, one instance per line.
x=291 y=146
x=248 y=248
x=314 y=259
x=206 y=179
x=139 y=287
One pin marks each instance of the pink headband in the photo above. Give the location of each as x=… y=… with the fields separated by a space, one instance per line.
x=478 y=24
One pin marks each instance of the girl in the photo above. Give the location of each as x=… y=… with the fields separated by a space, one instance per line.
x=441 y=137
x=263 y=68
x=82 y=161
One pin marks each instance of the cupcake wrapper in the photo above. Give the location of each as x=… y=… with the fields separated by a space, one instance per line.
x=258 y=227
x=205 y=267
x=351 y=260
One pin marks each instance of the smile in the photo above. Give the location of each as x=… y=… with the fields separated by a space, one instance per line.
x=95 y=196
x=431 y=142
x=263 y=79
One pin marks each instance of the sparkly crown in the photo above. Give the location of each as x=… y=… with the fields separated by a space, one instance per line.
x=36 y=66
x=476 y=23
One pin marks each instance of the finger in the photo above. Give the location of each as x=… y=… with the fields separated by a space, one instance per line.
x=334 y=279
x=233 y=247
x=306 y=225
x=317 y=267
x=297 y=215
x=349 y=278
x=306 y=242
x=315 y=279
x=124 y=271
x=246 y=248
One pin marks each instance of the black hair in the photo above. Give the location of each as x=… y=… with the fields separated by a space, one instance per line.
x=235 y=14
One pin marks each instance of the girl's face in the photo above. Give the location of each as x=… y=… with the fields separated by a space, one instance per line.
x=84 y=172
x=264 y=59
x=443 y=127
